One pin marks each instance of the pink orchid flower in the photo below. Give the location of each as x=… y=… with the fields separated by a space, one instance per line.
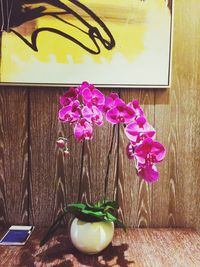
x=120 y=113
x=92 y=96
x=136 y=107
x=86 y=105
x=148 y=172
x=83 y=130
x=70 y=113
x=92 y=115
x=110 y=102
x=85 y=85
x=139 y=130
x=70 y=96
x=149 y=152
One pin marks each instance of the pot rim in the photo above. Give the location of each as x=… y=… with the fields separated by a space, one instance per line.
x=99 y=221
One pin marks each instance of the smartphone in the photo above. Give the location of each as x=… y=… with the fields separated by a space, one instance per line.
x=17 y=235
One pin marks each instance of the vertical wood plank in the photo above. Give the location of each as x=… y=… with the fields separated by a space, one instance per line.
x=177 y=115
x=99 y=173
x=0 y=53
x=134 y=194
x=165 y=190
x=54 y=180
x=13 y=156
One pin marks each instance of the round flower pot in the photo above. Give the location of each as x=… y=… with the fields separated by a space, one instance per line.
x=91 y=237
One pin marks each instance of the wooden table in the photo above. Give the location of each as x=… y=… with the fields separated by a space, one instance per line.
x=137 y=247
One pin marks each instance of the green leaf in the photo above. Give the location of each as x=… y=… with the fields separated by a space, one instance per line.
x=110 y=217
x=94 y=213
x=113 y=204
x=110 y=205
x=92 y=207
x=77 y=206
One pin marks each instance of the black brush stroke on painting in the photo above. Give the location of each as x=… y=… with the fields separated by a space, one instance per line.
x=16 y=13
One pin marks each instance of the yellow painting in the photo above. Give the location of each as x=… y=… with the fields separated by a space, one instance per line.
x=108 y=43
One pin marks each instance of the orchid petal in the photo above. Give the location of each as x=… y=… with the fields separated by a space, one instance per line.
x=148 y=172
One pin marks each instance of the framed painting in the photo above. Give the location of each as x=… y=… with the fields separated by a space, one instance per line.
x=64 y=42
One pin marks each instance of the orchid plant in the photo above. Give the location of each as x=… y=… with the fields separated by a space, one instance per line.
x=86 y=106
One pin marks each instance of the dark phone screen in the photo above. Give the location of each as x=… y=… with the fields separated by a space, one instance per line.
x=16 y=236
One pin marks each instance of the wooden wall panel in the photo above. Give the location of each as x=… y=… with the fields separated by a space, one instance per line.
x=178 y=124
x=13 y=156
x=54 y=180
x=163 y=196
x=28 y=119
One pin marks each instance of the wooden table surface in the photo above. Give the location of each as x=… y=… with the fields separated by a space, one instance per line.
x=137 y=247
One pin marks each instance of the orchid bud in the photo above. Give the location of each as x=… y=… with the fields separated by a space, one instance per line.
x=66 y=153
x=60 y=143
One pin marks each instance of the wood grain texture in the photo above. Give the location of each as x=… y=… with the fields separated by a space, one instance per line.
x=35 y=185
x=178 y=123
x=138 y=247
x=54 y=180
x=13 y=156
x=134 y=195
x=99 y=169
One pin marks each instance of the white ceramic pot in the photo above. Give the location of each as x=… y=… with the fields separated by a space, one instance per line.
x=91 y=237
